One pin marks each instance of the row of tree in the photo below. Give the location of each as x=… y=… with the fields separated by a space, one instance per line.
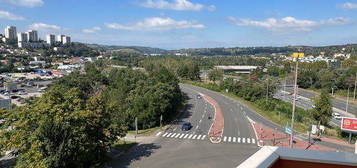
x=79 y=117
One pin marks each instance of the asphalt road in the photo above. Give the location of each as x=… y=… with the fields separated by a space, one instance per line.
x=337 y=103
x=175 y=148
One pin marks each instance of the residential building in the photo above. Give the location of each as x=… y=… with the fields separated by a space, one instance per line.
x=10 y=32
x=66 y=40
x=22 y=37
x=32 y=35
x=59 y=38
x=50 y=39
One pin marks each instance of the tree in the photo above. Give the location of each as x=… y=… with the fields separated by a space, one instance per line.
x=323 y=109
x=215 y=75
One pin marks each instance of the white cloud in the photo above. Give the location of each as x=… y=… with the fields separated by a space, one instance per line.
x=288 y=23
x=27 y=3
x=45 y=27
x=179 y=5
x=92 y=30
x=349 y=5
x=9 y=16
x=157 y=23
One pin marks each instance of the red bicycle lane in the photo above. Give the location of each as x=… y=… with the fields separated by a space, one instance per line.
x=216 y=130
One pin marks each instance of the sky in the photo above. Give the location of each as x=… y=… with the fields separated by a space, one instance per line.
x=176 y=24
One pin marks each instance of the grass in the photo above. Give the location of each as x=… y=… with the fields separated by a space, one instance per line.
x=124 y=145
x=270 y=115
x=148 y=131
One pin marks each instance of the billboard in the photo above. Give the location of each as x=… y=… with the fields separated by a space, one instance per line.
x=349 y=124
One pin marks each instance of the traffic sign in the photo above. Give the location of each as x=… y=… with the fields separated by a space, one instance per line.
x=349 y=124
x=288 y=130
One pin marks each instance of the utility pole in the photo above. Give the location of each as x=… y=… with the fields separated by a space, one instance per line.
x=296 y=56
x=354 y=92
x=266 y=98
x=161 y=121
x=348 y=96
x=284 y=88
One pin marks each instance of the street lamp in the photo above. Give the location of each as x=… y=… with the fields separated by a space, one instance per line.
x=295 y=56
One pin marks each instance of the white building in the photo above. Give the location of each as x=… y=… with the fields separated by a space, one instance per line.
x=59 y=38
x=32 y=35
x=22 y=37
x=66 y=40
x=50 y=39
x=10 y=32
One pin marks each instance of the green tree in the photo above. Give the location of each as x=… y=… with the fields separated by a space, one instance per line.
x=323 y=109
x=215 y=75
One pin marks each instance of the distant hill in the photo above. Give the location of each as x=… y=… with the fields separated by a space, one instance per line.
x=139 y=49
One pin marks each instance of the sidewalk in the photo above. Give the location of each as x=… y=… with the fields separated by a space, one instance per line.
x=270 y=137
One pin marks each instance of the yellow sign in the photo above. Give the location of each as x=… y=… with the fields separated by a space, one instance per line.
x=298 y=55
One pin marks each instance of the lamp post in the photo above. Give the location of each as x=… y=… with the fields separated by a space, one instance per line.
x=296 y=56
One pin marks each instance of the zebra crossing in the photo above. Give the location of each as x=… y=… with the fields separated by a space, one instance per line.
x=225 y=139
x=181 y=135
x=228 y=139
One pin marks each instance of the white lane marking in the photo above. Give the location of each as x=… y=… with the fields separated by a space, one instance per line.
x=158 y=133
x=234 y=139
x=197 y=127
x=243 y=140
x=172 y=135
x=175 y=129
x=224 y=139
x=239 y=140
x=182 y=136
x=203 y=137
x=200 y=120
x=177 y=135
x=186 y=136
x=199 y=136
x=253 y=140
x=194 y=137
x=189 y=137
x=248 y=140
x=168 y=135
x=164 y=134
x=229 y=139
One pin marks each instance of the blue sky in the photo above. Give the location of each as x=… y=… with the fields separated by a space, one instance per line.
x=174 y=24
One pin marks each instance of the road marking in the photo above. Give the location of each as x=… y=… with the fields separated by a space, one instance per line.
x=248 y=140
x=243 y=140
x=194 y=137
x=177 y=135
x=234 y=139
x=181 y=136
x=186 y=136
x=199 y=137
x=200 y=120
x=253 y=140
x=229 y=139
x=189 y=137
x=158 y=133
x=203 y=137
x=224 y=139
x=168 y=135
x=172 y=135
x=238 y=139
x=165 y=134
x=175 y=129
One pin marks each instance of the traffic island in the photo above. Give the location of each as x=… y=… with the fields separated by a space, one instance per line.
x=216 y=130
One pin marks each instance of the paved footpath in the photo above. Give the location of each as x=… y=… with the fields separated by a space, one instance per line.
x=216 y=130
x=271 y=137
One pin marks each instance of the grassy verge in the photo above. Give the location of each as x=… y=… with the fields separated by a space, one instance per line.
x=281 y=120
x=147 y=131
x=124 y=145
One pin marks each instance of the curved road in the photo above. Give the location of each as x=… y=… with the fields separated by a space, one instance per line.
x=175 y=148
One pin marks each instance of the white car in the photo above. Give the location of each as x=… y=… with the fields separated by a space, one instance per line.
x=337 y=116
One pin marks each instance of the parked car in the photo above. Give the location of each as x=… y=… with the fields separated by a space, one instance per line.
x=199 y=96
x=337 y=116
x=186 y=126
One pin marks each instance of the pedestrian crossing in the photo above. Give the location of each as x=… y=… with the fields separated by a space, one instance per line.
x=181 y=135
x=190 y=136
